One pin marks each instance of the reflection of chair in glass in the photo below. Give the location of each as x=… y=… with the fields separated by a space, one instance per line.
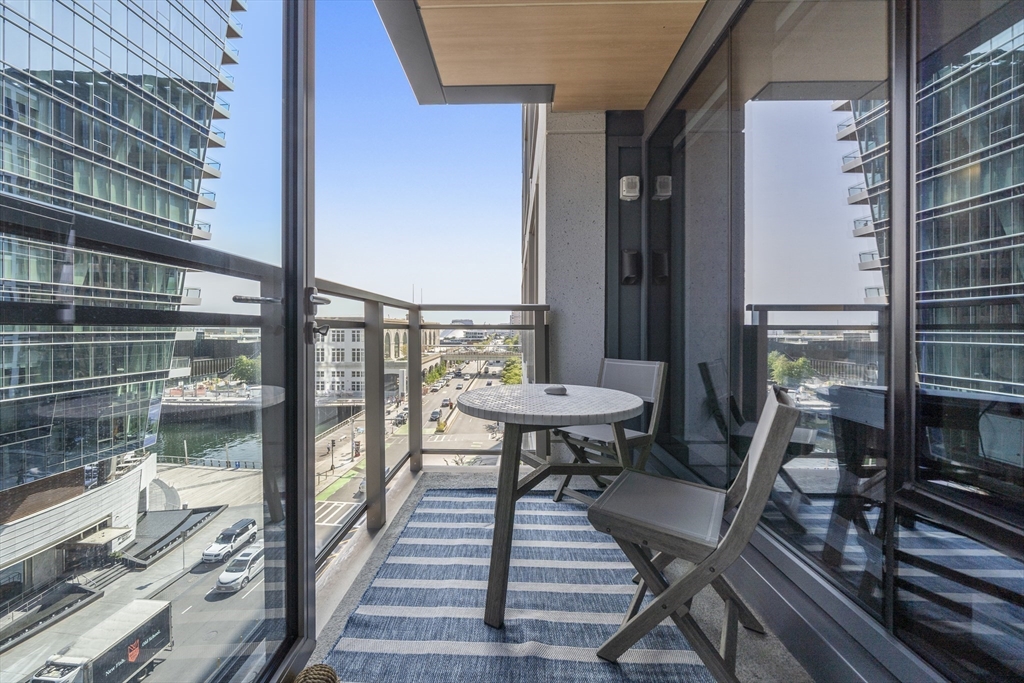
x=679 y=520
x=596 y=443
x=739 y=432
x=858 y=423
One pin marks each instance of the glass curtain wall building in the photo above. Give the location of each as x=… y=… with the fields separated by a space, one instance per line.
x=108 y=110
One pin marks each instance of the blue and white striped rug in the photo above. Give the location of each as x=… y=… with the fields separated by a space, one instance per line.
x=421 y=619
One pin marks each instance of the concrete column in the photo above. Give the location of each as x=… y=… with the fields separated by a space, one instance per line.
x=571 y=230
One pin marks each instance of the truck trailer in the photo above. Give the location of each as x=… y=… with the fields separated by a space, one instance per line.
x=117 y=650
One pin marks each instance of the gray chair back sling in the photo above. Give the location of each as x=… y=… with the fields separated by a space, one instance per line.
x=596 y=443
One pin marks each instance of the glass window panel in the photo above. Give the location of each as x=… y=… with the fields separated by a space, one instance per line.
x=970 y=381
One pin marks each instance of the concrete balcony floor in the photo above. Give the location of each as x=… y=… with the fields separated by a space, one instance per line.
x=342 y=583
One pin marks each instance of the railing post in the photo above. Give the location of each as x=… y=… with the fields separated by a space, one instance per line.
x=373 y=415
x=760 y=319
x=540 y=361
x=415 y=354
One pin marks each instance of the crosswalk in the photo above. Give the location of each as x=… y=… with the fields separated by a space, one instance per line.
x=332 y=513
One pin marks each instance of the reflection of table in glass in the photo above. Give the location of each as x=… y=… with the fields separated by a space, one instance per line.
x=527 y=408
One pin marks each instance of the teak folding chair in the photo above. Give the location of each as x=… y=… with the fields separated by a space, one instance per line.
x=596 y=443
x=679 y=520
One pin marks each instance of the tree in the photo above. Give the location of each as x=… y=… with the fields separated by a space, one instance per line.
x=789 y=372
x=512 y=373
x=434 y=374
x=247 y=370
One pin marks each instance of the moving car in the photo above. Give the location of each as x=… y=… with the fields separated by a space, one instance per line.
x=458 y=386
x=399 y=420
x=231 y=539
x=445 y=402
x=242 y=569
x=490 y=382
x=435 y=416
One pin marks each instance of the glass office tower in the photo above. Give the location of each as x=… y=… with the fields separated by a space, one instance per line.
x=108 y=110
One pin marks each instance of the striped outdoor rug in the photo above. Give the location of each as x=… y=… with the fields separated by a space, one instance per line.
x=422 y=617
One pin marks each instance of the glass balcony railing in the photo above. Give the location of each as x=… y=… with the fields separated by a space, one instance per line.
x=226 y=76
x=223 y=104
x=209 y=194
x=862 y=223
x=212 y=163
x=192 y=292
x=178 y=363
x=840 y=127
x=217 y=132
x=857 y=189
x=231 y=49
x=852 y=156
x=866 y=256
x=874 y=292
x=204 y=226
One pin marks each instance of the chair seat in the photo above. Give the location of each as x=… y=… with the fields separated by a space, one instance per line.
x=675 y=516
x=599 y=433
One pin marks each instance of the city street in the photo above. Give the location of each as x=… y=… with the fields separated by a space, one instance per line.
x=340 y=493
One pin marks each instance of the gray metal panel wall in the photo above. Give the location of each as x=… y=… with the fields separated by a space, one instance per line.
x=624 y=230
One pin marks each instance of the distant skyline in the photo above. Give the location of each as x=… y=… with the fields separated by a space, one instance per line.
x=406 y=195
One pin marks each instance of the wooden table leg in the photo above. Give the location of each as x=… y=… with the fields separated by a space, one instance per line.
x=504 y=518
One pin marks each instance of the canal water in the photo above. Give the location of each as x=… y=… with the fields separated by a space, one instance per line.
x=236 y=437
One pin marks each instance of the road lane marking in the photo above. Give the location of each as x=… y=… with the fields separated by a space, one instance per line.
x=188 y=608
x=252 y=589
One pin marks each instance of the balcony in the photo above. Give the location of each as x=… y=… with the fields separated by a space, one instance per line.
x=234 y=27
x=180 y=367
x=211 y=169
x=191 y=296
x=863 y=226
x=239 y=5
x=847 y=131
x=218 y=138
x=202 y=230
x=858 y=194
x=225 y=82
x=221 y=109
x=229 y=55
x=852 y=162
x=875 y=295
x=869 y=260
x=207 y=200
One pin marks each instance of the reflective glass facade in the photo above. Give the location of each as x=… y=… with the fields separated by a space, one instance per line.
x=108 y=110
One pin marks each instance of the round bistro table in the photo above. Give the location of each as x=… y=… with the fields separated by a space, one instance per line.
x=527 y=408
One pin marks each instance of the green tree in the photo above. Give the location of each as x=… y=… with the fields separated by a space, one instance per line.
x=247 y=370
x=789 y=372
x=512 y=373
x=434 y=374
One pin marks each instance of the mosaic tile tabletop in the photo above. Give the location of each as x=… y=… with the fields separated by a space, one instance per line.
x=527 y=404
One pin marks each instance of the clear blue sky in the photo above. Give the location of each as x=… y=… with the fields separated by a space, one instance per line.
x=406 y=194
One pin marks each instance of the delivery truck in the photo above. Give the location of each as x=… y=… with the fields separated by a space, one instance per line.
x=118 y=649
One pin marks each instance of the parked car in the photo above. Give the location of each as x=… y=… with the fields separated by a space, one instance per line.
x=434 y=389
x=231 y=539
x=445 y=402
x=242 y=569
x=435 y=416
x=399 y=420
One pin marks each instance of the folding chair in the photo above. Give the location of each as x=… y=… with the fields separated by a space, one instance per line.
x=596 y=443
x=646 y=513
x=739 y=432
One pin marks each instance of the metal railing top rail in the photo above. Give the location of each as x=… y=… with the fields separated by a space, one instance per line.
x=817 y=307
x=474 y=326
x=484 y=307
x=345 y=292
